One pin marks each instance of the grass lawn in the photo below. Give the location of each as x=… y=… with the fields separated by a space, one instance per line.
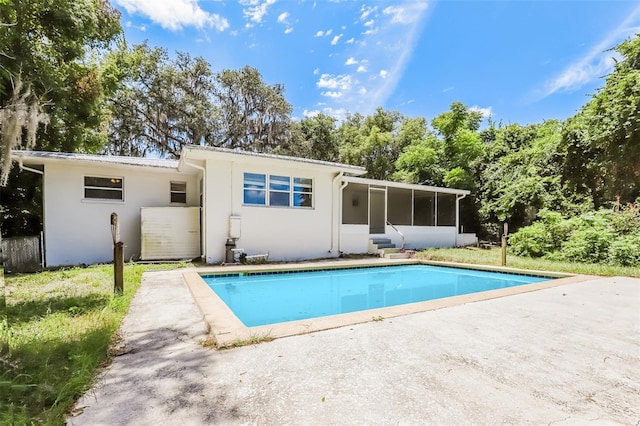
x=494 y=257
x=55 y=333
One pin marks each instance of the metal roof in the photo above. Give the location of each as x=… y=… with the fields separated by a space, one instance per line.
x=403 y=185
x=30 y=156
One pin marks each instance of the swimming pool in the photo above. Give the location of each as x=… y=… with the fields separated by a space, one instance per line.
x=274 y=297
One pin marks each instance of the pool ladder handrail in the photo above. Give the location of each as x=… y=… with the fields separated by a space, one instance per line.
x=399 y=233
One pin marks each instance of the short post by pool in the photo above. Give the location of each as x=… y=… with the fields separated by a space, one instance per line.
x=118 y=256
x=504 y=244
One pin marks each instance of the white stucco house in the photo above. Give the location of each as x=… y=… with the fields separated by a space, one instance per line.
x=291 y=208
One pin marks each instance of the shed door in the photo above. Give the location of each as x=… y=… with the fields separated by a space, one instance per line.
x=377 y=212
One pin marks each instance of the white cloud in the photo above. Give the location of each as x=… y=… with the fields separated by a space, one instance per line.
x=282 y=18
x=350 y=41
x=336 y=39
x=368 y=23
x=329 y=81
x=288 y=30
x=316 y=71
x=311 y=113
x=339 y=114
x=362 y=91
x=257 y=10
x=175 y=14
x=383 y=73
x=486 y=112
x=595 y=64
x=332 y=94
x=351 y=61
x=370 y=31
x=366 y=11
x=447 y=89
x=405 y=14
x=362 y=68
x=324 y=33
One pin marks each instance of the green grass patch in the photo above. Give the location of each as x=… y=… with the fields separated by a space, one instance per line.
x=55 y=334
x=494 y=257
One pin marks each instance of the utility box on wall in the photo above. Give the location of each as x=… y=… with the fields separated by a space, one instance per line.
x=170 y=233
x=234 y=227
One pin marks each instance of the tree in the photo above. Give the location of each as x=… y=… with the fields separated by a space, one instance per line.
x=319 y=132
x=43 y=47
x=526 y=177
x=161 y=104
x=372 y=142
x=253 y=115
x=602 y=141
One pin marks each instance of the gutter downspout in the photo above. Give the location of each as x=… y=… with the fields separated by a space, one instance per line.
x=43 y=255
x=458 y=198
x=203 y=237
x=29 y=169
x=333 y=212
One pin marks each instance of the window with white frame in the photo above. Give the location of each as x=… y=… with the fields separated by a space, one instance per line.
x=179 y=192
x=104 y=188
x=277 y=190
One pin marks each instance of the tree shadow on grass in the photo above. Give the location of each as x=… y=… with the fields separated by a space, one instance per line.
x=28 y=389
x=27 y=311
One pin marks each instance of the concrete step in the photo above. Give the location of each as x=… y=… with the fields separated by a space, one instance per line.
x=408 y=254
x=380 y=240
x=385 y=245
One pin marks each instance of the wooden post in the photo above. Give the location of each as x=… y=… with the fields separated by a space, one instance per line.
x=504 y=244
x=118 y=267
x=118 y=256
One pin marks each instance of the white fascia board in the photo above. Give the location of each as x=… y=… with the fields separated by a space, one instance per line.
x=402 y=185
x=192 y=152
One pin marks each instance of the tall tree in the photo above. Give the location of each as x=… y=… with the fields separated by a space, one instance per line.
x=602 y=142
x=372 y=142
x=253 y=115
x=161 y=104
x=44 y=74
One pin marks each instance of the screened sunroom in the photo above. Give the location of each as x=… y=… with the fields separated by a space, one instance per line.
x=418 y=216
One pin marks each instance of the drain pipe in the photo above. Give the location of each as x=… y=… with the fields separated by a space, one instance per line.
x=458 y=198
x=333 y=213
x=29 y=169
x=203 y=237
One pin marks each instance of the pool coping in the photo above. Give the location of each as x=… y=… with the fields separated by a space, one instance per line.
x=228 y=331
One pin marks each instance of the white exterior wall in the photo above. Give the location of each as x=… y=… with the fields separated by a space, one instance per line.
x=78 y=231
x=355 y=238
x=286 y=233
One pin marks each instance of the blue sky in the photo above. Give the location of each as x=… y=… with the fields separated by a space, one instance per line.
x=517 y=61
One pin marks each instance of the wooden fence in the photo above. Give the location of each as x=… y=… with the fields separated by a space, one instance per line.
x=22 y=254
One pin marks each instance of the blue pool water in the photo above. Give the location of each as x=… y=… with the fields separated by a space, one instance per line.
x=279 y=297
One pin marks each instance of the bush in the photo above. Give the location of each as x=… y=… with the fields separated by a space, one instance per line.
x=625 y=251
x=602 y=236
x=587 y=244
x=532 y=241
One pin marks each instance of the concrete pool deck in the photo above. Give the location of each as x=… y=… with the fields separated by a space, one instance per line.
x=568 y=354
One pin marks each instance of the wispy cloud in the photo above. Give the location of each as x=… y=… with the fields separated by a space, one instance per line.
x=336 y=39
x=405 y=14
x=387 y=41
x=486 y=112
x=283 y=19
x=175 y=14
x=596 y=63
x=256 y=10
x=324 y=33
